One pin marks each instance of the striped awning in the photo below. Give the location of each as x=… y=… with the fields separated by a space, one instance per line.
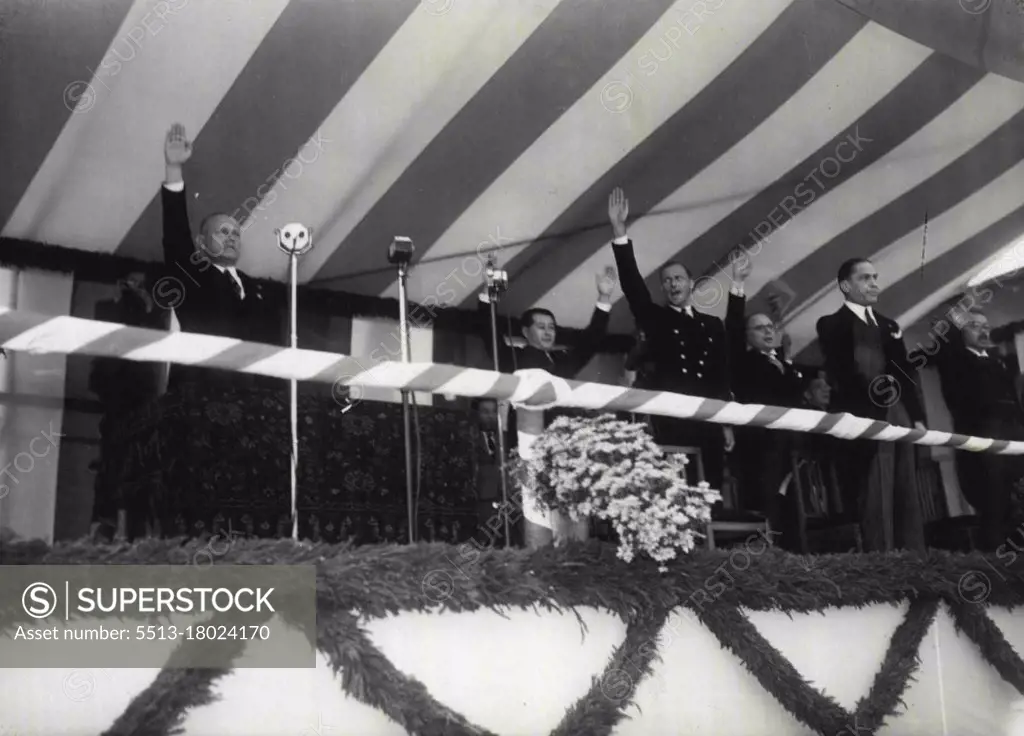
x=807 y=131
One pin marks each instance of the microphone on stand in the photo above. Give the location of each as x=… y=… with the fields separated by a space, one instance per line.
x=400 y=254
x=497 y=284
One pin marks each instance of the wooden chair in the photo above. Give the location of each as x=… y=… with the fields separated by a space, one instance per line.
x=727 y=521
x=818 y=502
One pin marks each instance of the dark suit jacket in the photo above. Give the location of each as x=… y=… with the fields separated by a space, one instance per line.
x=687 y=354
x=981 y=393
x=852 y=392
x=207 y=303
x=564 y=362
x=755 y=379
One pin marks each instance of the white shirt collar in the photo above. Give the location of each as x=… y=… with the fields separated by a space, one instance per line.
x=688 y=309
x=861 y=311
x=979 y=353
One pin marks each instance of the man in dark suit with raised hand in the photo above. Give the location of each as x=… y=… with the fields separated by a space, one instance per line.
x=211 y=295
x=761 y=374
x=687 y=349
x=539 y=349
x=867 y=361
x=980 y=391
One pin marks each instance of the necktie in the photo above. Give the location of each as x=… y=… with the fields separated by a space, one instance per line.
x=776 y=362
x=489 y=439
x=871 y=318
x=236 y=284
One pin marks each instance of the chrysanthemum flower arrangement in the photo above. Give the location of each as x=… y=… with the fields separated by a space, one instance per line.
x=611 y=469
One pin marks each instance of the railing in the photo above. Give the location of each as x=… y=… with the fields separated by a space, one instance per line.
x=36 y=333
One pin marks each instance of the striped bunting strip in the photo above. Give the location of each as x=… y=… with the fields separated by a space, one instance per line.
x=36 y=333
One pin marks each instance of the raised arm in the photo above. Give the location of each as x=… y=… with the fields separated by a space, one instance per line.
x=595 y=332
x=177 y=236
x=736 y=312
x=634 y=288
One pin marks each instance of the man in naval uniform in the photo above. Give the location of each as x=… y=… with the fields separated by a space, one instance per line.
x=687 y=349
x=867 y=361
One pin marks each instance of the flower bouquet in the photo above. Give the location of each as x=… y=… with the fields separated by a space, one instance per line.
x=611 y=469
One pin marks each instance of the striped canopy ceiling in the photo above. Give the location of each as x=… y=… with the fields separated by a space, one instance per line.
x=893 y=130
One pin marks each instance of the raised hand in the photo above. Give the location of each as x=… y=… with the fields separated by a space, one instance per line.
x=618 y=211
x=177 y=147
x=606 y=283
x=741 y=265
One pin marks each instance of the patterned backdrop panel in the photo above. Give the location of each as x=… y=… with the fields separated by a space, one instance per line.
x=208 y=459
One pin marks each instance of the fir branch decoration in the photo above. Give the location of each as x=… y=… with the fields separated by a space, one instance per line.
x=776 y=674
x=368 y=676
x=900 y=663
x=972 y=620
x=385 y=580
x=600 y=710
x=161 y=708
x=613 y=470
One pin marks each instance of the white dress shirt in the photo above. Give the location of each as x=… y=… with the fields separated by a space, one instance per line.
x=862 y=312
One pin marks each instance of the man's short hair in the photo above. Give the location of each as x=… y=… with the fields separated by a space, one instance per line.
x=475 y=404
x=846 y=269
x=661 y=271
x=529 y=314
x=206 y=220
x=746 y=320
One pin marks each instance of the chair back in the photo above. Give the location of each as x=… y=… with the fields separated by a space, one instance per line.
x=695 y=464
x=812 y=489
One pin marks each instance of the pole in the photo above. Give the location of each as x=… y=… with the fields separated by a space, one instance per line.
x=403 y=326
x=293 y=275
x=493 y=298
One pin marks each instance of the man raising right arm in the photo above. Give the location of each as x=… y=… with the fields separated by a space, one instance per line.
x=688 y=349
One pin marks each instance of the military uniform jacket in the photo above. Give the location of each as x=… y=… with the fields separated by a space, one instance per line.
x=688 y=354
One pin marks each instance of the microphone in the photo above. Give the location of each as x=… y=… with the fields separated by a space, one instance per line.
x=400 y=251
x=497 y=280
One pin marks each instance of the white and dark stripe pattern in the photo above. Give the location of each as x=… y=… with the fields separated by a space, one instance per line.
x=495 y=125
x=42 y=334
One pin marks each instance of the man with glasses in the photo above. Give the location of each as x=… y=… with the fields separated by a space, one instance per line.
x=980 y=391
x=761 y=373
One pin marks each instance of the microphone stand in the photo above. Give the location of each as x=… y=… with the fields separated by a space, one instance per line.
x=403 y=326
x=494 y=288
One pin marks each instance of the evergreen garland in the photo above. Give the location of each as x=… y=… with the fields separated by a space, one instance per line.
x=385 y=580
